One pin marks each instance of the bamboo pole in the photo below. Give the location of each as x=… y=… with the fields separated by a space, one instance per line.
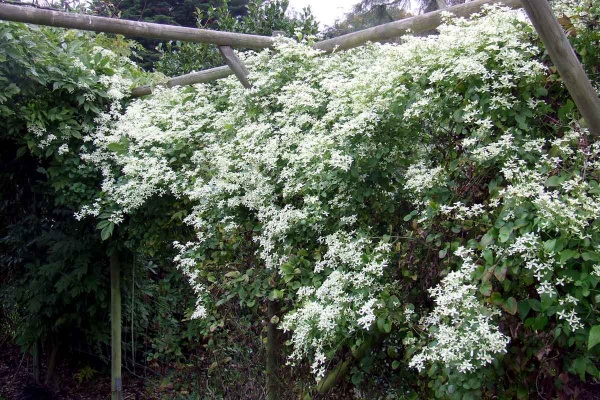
x=59 y=19
x=562 y=55
x=116 y=382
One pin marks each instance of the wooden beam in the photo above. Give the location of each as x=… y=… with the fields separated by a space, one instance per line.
x=205 y=76
x=236 y=65
x=416 y=24
x=419 y=23
x=566 y=62
x=59 y=19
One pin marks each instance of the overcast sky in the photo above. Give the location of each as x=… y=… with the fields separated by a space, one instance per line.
x=326 y=11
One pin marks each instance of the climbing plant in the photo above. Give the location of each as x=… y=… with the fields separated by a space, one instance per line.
x=438 y=197
x=421 y=215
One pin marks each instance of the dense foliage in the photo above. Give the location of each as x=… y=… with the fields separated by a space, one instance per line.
x=428 y=208
x=262 y=18
x=53 y=85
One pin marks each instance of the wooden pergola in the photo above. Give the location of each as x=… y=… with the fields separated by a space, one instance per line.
x=539 y=12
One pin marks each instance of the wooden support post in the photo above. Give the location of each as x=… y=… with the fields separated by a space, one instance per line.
x=116 y=383
x=566 y=62
x=236 y=65
x=273 y=348
x=36 y=361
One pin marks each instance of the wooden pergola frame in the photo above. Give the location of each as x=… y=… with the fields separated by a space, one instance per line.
x=578 y=84
x=539 y=12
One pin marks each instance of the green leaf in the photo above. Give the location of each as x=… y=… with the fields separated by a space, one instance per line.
x=486 y=240
x=594 y=337
x=117 y=147
x=21 y=151
x=488 y=256
x=523 y=308
x=510 y=306
x=553 y=181
x=549 y=245
x=486 y=289
x=540 y=322
x=497 y=299
x=442 y=253
x=410 y=216
x=565 y=110
x=107 y=231
x=566 y=255
x=275 y=294
x=500 y=272
x=504 y=233
x=535 y=305
x=587 y=256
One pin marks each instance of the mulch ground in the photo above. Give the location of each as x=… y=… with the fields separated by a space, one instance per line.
x=16 y=382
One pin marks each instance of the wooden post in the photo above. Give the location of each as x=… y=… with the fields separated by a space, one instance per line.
x=272 y=353
x=579 y=86
x=36 y=361
x=116 y=383
x=51 y=376
x=236 y=65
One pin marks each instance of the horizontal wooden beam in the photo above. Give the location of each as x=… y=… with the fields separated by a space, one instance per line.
x=205 y=76
x=420 y=23
x=32 y=15
x=416 y=24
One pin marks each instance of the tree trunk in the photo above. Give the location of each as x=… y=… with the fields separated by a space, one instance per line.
x=115 y=321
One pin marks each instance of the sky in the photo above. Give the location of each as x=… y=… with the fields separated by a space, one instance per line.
x=326 y=11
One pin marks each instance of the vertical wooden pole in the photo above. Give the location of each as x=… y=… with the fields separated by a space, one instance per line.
x=115 y=322
x=566 y=62
x=272 y=354
x=273 y=341
x=36 y=361
x=51 y=376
